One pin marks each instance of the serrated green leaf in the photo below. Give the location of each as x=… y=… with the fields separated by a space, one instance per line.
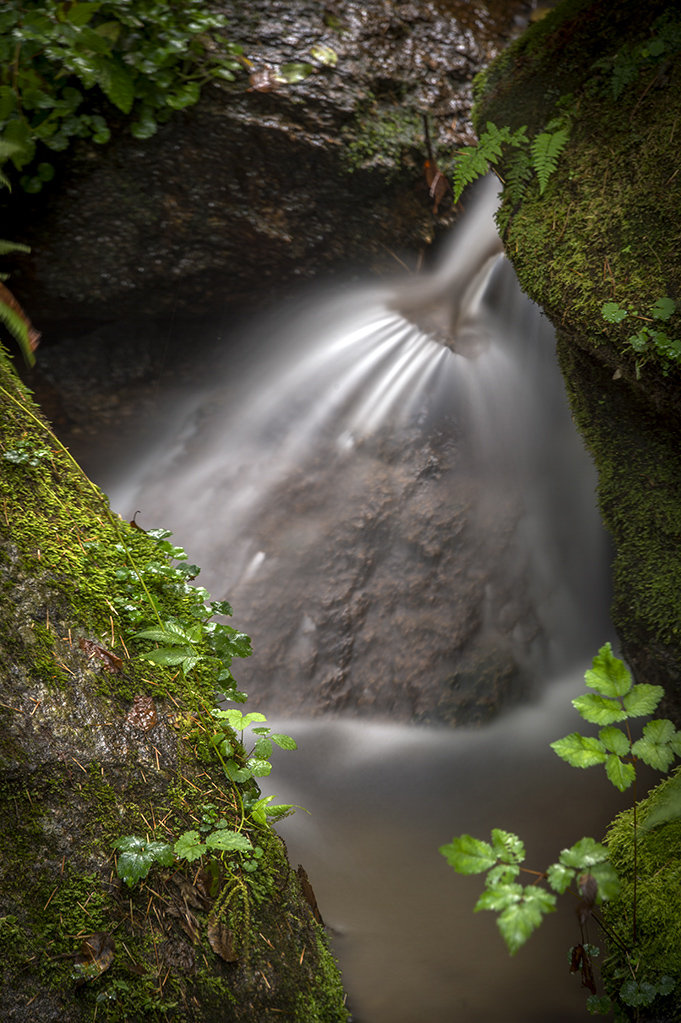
x=584 y=853
x=189 y=846
x=518 y=922
x=546 y=148
x=500 y=897
x=228 y=841
x=608 y=675
x=560 y=877
x=642 y=699
x=504 y=873
x=598 y=710
x=468 y=855
x=615 y=741
x=580 y=750
x=620 y=774
x=18 y=328
x=660 y=756
x=507 y=846
x=137 y=856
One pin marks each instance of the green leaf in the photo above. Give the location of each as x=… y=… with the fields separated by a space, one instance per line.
x=324 y=55
x=468 y=855
x=664 y=308
x=189 y=846
x=642 y=699
x=258 y=768
x=612 y=312
x=620 y=774
x=284 y=741
x=560 y=877
x=598 y=710
x=18 y=328
x=519 y=921
x=615 y=741
x=116 y=83
x=228 y=841
x=608 y=675
x=136 y=857
x=293 y=73
x=654 y=748
x=584 y=853
x=606 y=879
x=499 y=897
x=80 y=13
x=236 y=773
x=507 y=846
x=580 y=750
x=263 y=748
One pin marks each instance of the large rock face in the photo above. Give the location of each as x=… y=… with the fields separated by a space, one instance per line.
x=265 y=182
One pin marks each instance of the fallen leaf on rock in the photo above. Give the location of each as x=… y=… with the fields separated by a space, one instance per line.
x=142 y=714
x=220 y=939
x=96 y=955
x=94 y=651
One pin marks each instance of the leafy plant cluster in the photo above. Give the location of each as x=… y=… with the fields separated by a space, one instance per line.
x=533 y=156
x=147 y=59
x=649 y=338
x=178 y=643
x=613 y=702
x=214 y=837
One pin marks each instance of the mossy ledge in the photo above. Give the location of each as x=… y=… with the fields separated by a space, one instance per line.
x=78 y=771
x=605 y=230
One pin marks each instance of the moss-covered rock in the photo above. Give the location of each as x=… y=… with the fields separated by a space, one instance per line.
x=606 y=229
x=98 y=743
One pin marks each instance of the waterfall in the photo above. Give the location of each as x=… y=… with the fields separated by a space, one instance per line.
x=385 y=482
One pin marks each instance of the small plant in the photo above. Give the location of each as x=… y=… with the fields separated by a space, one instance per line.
x=257 y=764
x=649 y=338
x=584 y=868
x=538 y=155
x=27 y=453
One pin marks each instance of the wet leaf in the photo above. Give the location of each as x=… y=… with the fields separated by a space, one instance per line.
x=221 y=941
x=142 y=714
x=96 y=955
x=95 y=651
x=293 y=73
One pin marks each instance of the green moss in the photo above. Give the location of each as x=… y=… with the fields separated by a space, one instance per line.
x=654 y=862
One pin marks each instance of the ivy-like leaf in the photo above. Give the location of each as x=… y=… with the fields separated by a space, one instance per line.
x=642 y=699
x=613 y=312
x=137 y=856
x=598 y=710
x=664 y=308
x=620 y=774
x=284 y=741
x=606 y=879
x=608 y=675
x=468 y=855
x=258 y=768
x=580 y=750
x=189 y=846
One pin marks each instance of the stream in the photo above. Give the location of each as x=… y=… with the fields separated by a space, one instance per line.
x=386 y=484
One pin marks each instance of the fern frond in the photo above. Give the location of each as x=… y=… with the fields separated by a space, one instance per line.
x=18 y=327
x=475 y=161
x=6 y=247
x=471 y=163
x=545 y=149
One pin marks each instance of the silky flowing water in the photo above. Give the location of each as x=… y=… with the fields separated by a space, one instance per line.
x=273 y=470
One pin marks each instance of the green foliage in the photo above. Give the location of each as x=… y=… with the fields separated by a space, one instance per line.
x=141 y=58
x=256 y=763
x=584 y=867
x=136 y=856
x=538 y=155
x=624 y=68
x=649 y=339
x=618 y=699
x=27 y=453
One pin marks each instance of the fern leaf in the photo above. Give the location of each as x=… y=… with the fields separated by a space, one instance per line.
x=19 y=329
x=546 y=148
x=6 y=247
x=471 y=163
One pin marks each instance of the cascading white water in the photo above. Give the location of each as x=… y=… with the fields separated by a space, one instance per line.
x=381 y=507
x=435 y=495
